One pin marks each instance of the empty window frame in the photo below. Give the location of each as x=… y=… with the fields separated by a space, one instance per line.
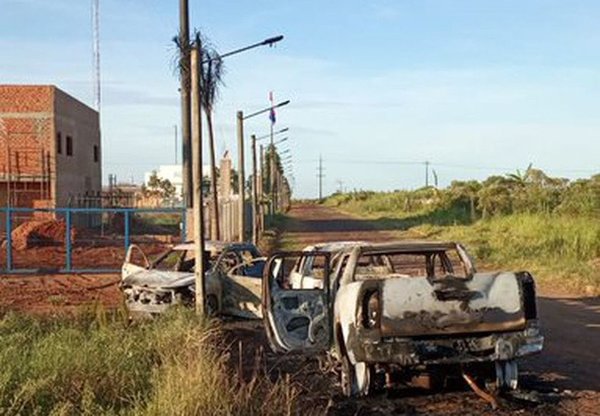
x=69 y=146
x=59 y=143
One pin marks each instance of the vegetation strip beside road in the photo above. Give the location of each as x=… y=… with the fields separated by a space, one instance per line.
x=548 y=226
x=99 y=363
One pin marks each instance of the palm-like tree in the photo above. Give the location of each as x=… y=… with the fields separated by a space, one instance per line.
x=212 y=78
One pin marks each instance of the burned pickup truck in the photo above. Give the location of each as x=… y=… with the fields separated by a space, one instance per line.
x=389 y=313
x=232 y=279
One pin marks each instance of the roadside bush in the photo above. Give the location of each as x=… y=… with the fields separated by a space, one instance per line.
x=524 y=220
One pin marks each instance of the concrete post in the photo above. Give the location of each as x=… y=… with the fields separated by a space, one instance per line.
x=261 y=188
x=198 y=222
x=184 y=90
x=255 y=213
x=272 y=173
x=241 y=176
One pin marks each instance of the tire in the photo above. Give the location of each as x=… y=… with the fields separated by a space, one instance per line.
x=355 y=379
x=507 y=375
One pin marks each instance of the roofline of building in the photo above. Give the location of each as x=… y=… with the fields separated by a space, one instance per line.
x=55 y=88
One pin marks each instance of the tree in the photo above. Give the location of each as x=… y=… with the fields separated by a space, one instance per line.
x=158 y=188
x=212 y=78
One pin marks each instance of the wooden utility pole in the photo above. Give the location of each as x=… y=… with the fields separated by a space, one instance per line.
x=241 y=176
x=198 y=217
x=255 y=210
x=320 y=175
x=184 y=90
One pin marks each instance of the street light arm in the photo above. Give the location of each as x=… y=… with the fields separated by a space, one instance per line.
x=266 y=136
x=269 y=41
x=266 y=109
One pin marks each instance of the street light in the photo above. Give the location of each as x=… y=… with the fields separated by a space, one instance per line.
x=194 y=145
x=257 y=185
x=185 y=98
x=241 y=176
x=270 y=42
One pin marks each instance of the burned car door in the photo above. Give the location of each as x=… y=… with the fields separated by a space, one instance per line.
x=297 y=319
x=135 y=261
x=242 y=287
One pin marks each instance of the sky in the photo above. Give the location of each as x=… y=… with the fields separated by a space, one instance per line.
x=475 y=87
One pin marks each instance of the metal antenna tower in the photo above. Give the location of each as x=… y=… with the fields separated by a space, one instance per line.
x=96 y=51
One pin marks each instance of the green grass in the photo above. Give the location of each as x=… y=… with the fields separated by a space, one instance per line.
x=562 y=251
x=99 y=364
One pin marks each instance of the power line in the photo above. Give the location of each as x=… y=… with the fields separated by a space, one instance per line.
x=442 y=165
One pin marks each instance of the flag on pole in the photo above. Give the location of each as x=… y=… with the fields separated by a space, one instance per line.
x=272 y=112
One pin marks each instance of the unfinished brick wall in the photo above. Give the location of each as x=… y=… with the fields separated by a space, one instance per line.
x=26 y=130
x=31 y=120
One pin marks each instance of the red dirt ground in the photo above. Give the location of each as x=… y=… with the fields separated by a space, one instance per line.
x=58 y=293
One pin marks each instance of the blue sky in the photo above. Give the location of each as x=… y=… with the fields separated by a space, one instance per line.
x=377 y=87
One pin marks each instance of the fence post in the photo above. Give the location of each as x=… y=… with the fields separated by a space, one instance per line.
x=8 y=240
x=184 y=226
x=68 y=240
x=126 y=223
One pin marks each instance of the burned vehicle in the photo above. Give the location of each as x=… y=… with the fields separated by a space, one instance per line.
x=301 y=277
x=232 y=279
x=389 y=313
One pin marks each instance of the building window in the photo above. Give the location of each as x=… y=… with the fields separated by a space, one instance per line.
x=96 y=155
x=59 y=143
x=69 y=146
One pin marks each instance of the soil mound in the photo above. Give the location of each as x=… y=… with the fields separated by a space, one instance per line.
x=40 y=233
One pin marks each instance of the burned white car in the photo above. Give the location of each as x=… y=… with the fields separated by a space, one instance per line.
x=233 y=279
x=395 y=312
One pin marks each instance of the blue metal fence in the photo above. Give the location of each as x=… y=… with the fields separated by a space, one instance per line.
x=67 y=215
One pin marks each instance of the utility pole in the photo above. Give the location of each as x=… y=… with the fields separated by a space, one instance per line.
x=198 y=217
x=272 y=174
x=184 y=89
x=426 y=173
x=262 y=189
x=255 y=213
x=320 y=176
x=241 y=176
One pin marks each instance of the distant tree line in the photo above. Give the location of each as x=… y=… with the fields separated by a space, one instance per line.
x=531 y=191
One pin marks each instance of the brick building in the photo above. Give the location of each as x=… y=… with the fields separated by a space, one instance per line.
x=49 y=147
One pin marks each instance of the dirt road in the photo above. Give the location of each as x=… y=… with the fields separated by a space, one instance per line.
x=564 y=379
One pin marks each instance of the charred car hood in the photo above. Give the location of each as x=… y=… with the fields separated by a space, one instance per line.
x=159 y=279
x=414 y=306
